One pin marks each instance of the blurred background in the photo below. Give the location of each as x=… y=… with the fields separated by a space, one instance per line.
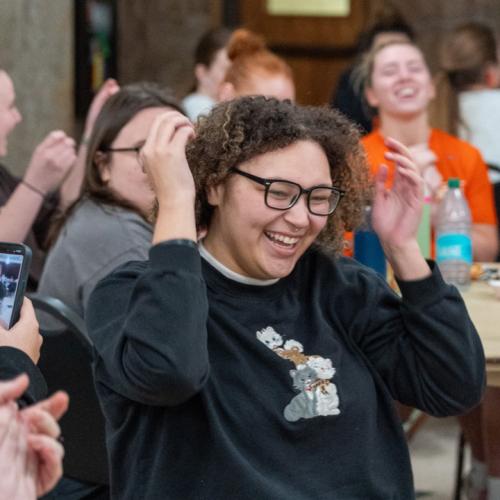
x=59 y=51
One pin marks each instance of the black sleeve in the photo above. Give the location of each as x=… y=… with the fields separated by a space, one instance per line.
x=425 y=347
x=13 y=362
x=148 y=324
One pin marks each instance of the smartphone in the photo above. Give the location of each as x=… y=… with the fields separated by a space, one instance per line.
x=15 y=260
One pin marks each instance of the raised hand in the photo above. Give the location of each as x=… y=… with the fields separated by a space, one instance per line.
x=396 y=213
x=51 y=162
x=108 y=88
x=163 y=158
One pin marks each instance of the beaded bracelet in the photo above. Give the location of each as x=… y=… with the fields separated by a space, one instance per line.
x=33 y=188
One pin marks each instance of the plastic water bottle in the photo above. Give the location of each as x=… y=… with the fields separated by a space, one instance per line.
x=453 y=240
x=367 y=247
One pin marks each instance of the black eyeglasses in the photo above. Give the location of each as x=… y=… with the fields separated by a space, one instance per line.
x=282 y=195
x=135 y=149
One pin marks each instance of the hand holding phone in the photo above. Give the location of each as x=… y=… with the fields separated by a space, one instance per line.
x=25 y=334
x=15 y=260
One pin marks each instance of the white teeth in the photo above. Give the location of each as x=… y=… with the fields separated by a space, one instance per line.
x=406 y=92
x=287 y=240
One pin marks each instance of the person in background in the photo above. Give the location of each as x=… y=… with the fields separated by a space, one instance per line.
x=468 y=104
x=28 y=204
x=347 y=97
x=468 y=94
x=258 y=363
x=108 y=224
x=211 y=63
x=397 y=82
x=254 y=70
x=51 y=181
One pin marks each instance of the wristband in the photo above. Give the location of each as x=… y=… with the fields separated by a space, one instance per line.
x=33 y=188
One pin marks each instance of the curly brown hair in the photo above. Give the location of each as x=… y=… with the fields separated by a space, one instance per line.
x=236 y=131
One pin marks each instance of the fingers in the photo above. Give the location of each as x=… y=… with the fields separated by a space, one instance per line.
x=401 y=160
x=27 y=311
x=397 y=147
x=13 y=389
x=56 y=405
x=52 y=138
x=40 y=422
x=109 y=87
x=49 y=454
x=182 y=135
x=165 y=126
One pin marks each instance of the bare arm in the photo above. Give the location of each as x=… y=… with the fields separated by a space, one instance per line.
x=484 y=242
x=49 y=164
x=19 y=213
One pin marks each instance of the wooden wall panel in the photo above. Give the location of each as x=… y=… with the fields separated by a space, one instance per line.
x=315 y=78
x=317 y=48
x=339 y=32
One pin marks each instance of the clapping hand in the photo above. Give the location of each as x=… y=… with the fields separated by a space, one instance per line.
x=30 y=455
x=396 y=213
x=51 y=162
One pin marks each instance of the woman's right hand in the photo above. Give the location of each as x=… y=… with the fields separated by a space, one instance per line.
x=164 y=158
x=164 y=161
x=24 y=335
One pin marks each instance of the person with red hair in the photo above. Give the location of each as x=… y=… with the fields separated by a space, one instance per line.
x=255 y=70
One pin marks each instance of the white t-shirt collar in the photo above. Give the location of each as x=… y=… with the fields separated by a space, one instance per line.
x=231 y=274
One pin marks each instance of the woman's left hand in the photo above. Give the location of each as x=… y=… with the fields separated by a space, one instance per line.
x=397 y=211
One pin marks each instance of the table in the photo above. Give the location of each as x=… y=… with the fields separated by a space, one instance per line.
x=484 y=310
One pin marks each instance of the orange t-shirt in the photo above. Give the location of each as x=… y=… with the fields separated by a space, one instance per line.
x=455 y=158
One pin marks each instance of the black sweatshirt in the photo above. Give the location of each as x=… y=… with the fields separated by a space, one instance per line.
x=214 y=389
x=13 y=362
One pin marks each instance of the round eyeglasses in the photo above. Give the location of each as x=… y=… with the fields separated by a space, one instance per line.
x=282 y=195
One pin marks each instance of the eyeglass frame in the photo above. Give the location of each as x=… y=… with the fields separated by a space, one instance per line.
x=136 y=149
x=267 y=183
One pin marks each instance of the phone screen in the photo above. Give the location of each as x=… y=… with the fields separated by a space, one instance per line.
x=10 y=273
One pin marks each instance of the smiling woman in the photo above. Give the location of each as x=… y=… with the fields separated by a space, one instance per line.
x=398 y=83
x=260 y=337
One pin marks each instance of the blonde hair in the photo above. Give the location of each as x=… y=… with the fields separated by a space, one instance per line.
x=363 y=72
x=465 y=56
x=248 y=54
